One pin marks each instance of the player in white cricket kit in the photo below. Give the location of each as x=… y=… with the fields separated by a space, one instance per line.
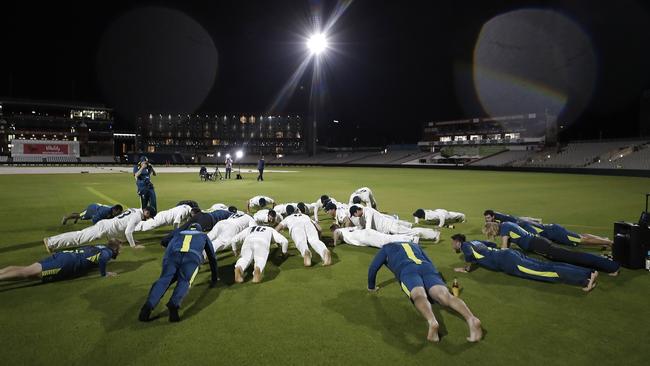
x=174 y=216
x=364 y=197
x=267 y=217
x=304 y=231
x=259 y=202
x=118 y=227
x=256 y=247
x=367 y=237
x=282 y=208
x=340 y=212
x=308 y=209
x=322 y=202
x=389 y=225
x=216 y=206
x=224 y=230
x=439 y=215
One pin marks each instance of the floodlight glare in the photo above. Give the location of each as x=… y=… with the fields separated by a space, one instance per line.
x=240 y=154
x=317 y=43
x=228 y=156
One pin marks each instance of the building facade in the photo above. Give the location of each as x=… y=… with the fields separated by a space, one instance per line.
x=208 y=133
x=90 y=125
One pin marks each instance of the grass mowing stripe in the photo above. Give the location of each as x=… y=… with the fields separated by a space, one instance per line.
x=104 y=197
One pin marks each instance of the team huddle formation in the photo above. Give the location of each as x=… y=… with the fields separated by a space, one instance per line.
x=199 y=234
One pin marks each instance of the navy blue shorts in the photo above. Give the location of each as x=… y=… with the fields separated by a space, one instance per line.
x=561 y=235
x=57 y=267
x=424 y=275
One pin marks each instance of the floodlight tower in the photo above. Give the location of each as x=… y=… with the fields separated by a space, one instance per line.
x=317 y=45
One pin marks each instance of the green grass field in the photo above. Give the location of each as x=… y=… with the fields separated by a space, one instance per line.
x=321 y=315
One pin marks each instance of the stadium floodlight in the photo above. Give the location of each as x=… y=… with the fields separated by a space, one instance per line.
x=228 y=156
x=239 y=154
x=317 y=43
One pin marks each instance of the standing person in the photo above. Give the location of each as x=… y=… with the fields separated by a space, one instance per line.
x=420 y=280
x=515 y=263
x=67 y=264
x=94 y=212
x=256 y=247
x=181 y=262
x=260 y=168
x=228 y=166
x=142 y=173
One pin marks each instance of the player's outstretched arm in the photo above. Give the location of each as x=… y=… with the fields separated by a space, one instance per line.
x=504 y=242
x=376 y=264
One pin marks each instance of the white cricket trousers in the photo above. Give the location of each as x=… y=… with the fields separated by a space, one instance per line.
x=256 y=251
x=308 y=235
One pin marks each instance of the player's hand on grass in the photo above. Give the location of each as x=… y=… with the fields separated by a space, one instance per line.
x=138 y=246
x=460 y=269
x=111 y=274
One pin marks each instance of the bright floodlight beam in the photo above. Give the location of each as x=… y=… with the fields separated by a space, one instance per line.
x=239 y=154
x=317 y=43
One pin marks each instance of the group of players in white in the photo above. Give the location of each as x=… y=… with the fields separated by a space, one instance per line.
x=362 y=225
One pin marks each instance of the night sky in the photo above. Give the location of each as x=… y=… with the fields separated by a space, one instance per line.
x=392 y=66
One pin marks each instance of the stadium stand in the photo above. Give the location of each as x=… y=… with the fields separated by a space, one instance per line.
x=632 y=157
x=28 y=159
x=503 y=158
x=576 y=154
x=97 y=159
x=61 y=159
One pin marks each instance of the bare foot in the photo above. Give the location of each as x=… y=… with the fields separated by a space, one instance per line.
x=238 y=276
x=257 y=275
x=307 y=258
x=433 y=331
x=475 y=330
x=327 y=258
x=592 y=282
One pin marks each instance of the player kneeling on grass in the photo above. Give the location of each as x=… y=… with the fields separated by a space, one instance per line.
x=367 y=237
x=66 y=264
x=181 y=263
x=121 y=226
x=421 y=281
x=303 y=231
x=256 y=247
x=515 y=263
x=440 y=216
x=94 y=212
